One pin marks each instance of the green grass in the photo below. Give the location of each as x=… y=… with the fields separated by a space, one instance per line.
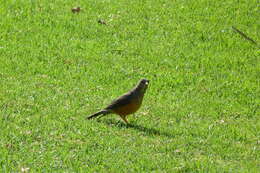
x=200 y=113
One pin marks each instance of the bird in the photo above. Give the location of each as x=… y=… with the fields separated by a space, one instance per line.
x=126 y=104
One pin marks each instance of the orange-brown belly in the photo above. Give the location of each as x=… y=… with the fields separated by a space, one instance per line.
x=127 y=109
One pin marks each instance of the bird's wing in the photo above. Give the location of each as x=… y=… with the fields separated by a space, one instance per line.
x=121 y=101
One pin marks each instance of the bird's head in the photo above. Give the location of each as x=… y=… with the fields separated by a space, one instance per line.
x=143 y=84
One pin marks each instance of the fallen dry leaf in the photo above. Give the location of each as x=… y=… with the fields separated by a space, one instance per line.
x=75 y=10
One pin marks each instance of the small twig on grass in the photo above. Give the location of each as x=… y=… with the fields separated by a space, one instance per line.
x=244 y=35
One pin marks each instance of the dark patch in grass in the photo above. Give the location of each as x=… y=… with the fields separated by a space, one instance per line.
x=146 y=130
x=102 y=22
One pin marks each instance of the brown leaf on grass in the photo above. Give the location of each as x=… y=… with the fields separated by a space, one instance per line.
x=75 y=10
x=9 y=146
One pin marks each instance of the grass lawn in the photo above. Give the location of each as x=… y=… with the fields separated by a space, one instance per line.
x=201 y=112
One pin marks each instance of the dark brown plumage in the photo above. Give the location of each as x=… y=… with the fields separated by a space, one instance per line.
x=126 y=104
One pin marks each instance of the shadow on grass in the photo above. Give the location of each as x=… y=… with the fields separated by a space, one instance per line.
x=146 y=130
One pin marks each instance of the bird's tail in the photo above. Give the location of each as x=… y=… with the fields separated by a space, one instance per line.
x=103 y=112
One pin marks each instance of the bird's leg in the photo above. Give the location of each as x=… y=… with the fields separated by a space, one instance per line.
x=125 y=120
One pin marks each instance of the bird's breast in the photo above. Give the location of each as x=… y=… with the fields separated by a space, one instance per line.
x=127 y=109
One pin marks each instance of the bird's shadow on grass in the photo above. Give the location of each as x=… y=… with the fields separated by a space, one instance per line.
x=146 y=130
